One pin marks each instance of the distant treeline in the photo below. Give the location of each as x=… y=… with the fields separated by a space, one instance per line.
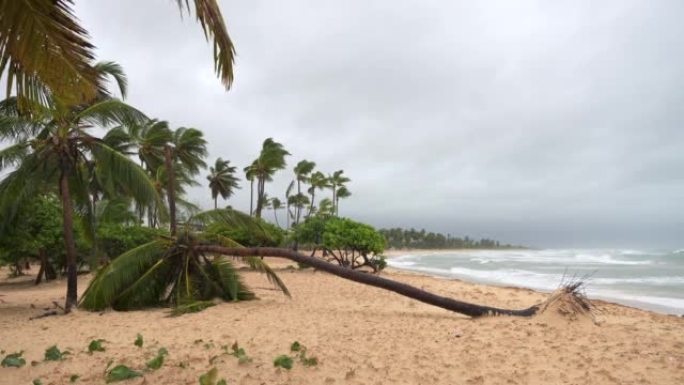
x=398 y=238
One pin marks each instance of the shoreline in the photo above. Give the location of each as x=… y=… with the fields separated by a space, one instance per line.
x=359 y=334
x=615 y=300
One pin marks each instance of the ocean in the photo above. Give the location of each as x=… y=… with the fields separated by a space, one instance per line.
x=644 y=279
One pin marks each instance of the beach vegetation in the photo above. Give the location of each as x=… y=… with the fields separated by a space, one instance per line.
x=121 y=373
x=157 y=362
x=138 y=340
x=398 y=238
x=283 y=361
x=96 y=346
x=13 y=360
x=54 y=354
x=222 y=180
x=211 y=378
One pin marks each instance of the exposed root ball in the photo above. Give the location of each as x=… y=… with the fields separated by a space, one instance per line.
x=568 y=302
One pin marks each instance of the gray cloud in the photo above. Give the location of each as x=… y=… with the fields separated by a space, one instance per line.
x=552 y=124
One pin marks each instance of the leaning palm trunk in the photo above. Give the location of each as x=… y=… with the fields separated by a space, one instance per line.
x=465 y=308
x=168 y=160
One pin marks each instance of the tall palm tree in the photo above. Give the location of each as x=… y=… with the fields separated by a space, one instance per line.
x=188 y=147
x=250 y=175
x=276 y=205
x=318 y=181
x=222 y=180
x=270 y=160
x=337 y=180
x=302 y=171
x=288 y=202
x=326 y=207
x=66 y=69
x=53 y=147
x=343 y=192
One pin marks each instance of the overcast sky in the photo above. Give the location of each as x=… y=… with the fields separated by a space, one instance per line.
x=534 y=122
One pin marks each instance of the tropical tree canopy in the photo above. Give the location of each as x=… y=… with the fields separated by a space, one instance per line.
x=222 y=180
x=28 y=27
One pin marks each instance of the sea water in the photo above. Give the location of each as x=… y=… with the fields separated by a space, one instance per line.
x=647 y=279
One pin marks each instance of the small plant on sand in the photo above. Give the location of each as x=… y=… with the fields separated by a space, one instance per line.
x=13 y=360
x=283 y=361
x=37 y=381
x=191 y=307
x=96 y=346
x=121 y=373
x=54 y=354
x=239 y=353
x=301 y=350
x=157 y=361
x=210 y=378
x=74 y=378
x=138 y=341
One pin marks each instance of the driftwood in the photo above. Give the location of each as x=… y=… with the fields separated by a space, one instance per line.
x=469 y=309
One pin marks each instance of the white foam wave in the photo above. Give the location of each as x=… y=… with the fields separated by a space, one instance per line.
x=656 y=281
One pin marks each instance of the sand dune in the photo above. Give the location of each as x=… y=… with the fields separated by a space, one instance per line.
x=360 y=335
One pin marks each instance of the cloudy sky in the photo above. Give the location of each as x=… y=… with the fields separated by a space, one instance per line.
x=535 y=122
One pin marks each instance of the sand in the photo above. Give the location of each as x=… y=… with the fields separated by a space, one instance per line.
x=360 y=335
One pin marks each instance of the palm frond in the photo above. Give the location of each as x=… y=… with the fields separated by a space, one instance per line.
x=209 y=16
x=110 y=111
x=124 y=271
x=43 y=46
x=258 y=264
x=230 y=280
x=232 y=219
x=12 y=155
x=113 y=69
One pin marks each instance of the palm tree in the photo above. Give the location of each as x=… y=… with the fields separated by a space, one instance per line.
x=326 y=207
x=222 y=180
x=250 y=175
x=302 y=171
x=188 y=148
x=270 y=160
x=53 y=147
x=342 y=192
x=27 y=27
x=173 y=271
x=336 y=180
x=288 y=202
x=319 y=181
x=276 y=205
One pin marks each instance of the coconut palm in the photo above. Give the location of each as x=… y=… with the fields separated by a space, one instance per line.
x=53 y=147
x=325 y=207
x=66 y=69
x=222 y=180
x=270 y=160
x=342 y=192
x=276 y=205
x=317 y=181
x=302 y=171
x=288 y=194
x=250 y=175
x=336 y=181
x=174 y=272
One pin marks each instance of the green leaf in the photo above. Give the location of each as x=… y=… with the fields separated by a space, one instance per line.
x=312 y=361
x=283 y=361
x=13 y=360
x=138 y=341
x=295 y=347
x=96 y=346
x=74 y=378
x=37 y=381
x=53 y=354
x=191 y=307
x=157 y=361
x=209 y=378
x=121 y=373
x=240 y=354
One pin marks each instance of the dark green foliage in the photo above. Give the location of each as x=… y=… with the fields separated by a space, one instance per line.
x=398 y=238
x=295 y=347
x=191 y=307
x=74 y=378
x=115 y=239
x=37 y=381
x=283 y=361
x=157 y=361
x=346 y=242
x=169 y=271
x=96 y=346
x=270 y=236
x=121 y=373
x=54 y=354
x=14 y=360
x=301 y=354
x=210 y=378
x=138 y=340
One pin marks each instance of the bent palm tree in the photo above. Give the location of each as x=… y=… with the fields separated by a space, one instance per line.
x=44 y=47
x=336 y=180
x=173 y=271
x=55 y=150
x=276 y=205
x=317 y=181
x=302 y=171
x=270 y=160
x=342 y=192
x=222 y=180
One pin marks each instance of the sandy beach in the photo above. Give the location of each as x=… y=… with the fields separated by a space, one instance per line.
x=359 y=334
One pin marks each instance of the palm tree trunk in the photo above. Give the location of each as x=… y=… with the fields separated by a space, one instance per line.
x=313 y=197
x=275 y=214
x=68 y=214
x=334 y=200
x=466 y=308
x=43 y=263
x=171 y=187
x=298 y=207
x=251 y=197
x=215 y=202
x=260 y=196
